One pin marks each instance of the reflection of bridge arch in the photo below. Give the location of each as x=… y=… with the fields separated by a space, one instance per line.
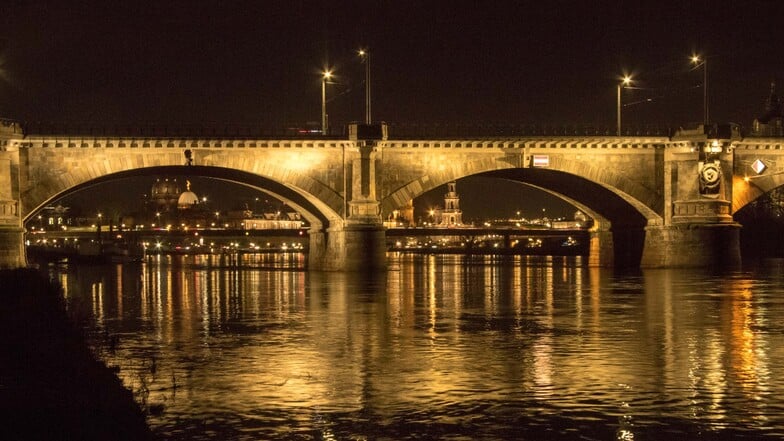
x=314 y=212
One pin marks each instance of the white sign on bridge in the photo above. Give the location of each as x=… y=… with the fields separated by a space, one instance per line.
x=541 y=161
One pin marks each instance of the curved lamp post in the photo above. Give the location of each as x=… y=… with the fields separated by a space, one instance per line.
x=625 y=81
x=324 y=78
x=698 y=61
x=366 y=59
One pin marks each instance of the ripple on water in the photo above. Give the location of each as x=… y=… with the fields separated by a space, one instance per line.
x=445 y=349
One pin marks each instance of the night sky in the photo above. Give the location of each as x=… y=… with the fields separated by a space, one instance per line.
x=258 y=62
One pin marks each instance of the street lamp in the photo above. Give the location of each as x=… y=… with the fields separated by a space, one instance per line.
x=366 y=57
x=325 y=77
x=625 y=81
x=698 y=61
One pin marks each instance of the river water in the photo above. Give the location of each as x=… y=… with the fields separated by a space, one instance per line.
x=439 y=347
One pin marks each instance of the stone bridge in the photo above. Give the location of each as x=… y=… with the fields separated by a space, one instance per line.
x=657 y=201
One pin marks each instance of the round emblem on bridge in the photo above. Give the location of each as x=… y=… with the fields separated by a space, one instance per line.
x=709 y=175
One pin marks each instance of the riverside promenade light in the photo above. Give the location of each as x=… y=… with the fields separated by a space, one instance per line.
x=698 y=61
x=625 y=82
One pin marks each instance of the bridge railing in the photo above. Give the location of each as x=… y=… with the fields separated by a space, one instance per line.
x=404 y=130
x=155 y=130
x=467 y=130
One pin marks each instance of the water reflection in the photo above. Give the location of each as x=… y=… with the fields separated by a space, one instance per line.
x=440 y=346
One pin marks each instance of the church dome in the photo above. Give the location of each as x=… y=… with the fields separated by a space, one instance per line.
x=164 y=193
x=187 y=199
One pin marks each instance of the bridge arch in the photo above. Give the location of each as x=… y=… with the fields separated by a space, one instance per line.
x=315 y=170
x=318 y=214
x=747 y=190
x=627 y=207
x=622 y=205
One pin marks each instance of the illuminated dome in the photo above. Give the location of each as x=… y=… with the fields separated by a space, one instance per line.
x=187 y=199
x=164 y=193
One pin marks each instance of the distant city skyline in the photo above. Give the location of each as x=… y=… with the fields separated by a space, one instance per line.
x=128 y=194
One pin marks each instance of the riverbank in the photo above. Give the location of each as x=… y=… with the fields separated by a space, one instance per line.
x=51 y=385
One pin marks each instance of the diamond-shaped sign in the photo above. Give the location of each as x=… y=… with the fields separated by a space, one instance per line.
x=758 y=166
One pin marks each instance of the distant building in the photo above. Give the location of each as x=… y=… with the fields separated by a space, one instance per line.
x=272 y=221
x=187 y=199
x=403 y=217
x=169 y=206
x=450 y=215
x=164 y=195
x=54 y=217
x=581 y=221
x=770 y=123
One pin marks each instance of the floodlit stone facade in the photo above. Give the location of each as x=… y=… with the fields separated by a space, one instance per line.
x=656 y=201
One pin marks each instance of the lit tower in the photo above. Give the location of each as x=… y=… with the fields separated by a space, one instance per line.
x=451 y=215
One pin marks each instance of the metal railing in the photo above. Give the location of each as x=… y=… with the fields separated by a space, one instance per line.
x=404 y=130
x=469 y=130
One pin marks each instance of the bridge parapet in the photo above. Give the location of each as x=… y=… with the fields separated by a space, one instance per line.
x=531 y=142
x=69 y=142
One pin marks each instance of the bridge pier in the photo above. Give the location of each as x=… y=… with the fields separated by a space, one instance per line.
x=355 y=247
x=12 y=249
x=359 y=244
x=698 y=229
x=600 y=251
x=692 y=245
x=701 y=233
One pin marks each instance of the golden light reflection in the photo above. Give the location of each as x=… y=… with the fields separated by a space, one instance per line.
x=97 y=297
x=490 y=285
x=748 y=352
x=144 y=293
x=443 y=329
x=543 y=367
x=62 y=278
x=596 y=295
x=517 y=288
x=549 y=283
x=432 y=311
x=119 y=275
x=742 y=342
